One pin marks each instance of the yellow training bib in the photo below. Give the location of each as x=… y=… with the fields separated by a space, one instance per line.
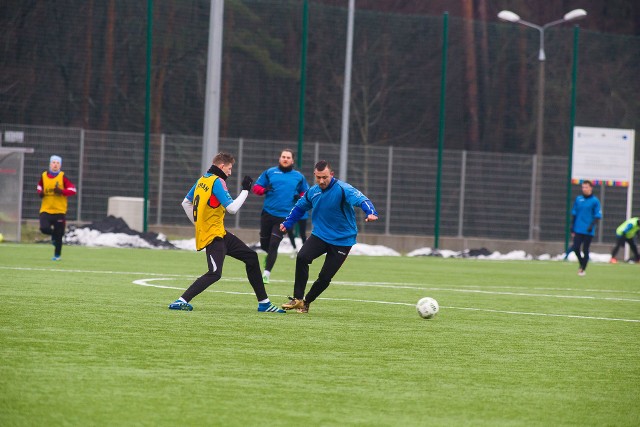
x=53 y=203
x=208 y=213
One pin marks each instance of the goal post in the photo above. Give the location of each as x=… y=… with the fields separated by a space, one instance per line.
x=11 y=182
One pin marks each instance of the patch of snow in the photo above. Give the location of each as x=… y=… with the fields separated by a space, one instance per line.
x=87 y=236
x=188 y=244
x=372 y=250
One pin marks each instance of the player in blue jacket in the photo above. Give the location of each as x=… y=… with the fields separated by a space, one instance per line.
x=281 y=186
x=334 y=232
x=586 y=213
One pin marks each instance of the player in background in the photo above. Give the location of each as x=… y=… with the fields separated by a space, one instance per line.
x=585 y=215
x=281 y=186
x=54 y=188
x=334 y=232
x=205 y=205
x=626 y=232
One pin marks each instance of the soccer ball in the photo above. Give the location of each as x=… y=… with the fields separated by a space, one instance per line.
x=427 y=307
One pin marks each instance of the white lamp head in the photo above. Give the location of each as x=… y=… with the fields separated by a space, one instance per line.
x=507 y=15
x=575 y=14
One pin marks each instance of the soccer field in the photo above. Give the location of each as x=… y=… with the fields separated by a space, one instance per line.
x=89 y=341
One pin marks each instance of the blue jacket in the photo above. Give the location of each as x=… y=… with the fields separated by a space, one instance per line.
x=585 y=211
x=282 y=187
x=333 y=217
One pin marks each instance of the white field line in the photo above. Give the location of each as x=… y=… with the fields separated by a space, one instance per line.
x=424 y=286
x=144 y=282
x=478 y=291
x=493 y=287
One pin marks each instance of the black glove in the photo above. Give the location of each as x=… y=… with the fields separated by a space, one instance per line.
x=589 y=229
x=57 y=190
x=296 y=197
x=247 y=183
x=41 y=194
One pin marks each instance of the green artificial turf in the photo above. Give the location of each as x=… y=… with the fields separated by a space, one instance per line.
x=516 y=343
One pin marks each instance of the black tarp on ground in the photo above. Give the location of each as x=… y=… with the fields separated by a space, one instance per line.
x=112 y=224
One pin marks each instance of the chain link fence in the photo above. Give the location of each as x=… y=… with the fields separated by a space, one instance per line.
x=78 y=65
x=483 y=194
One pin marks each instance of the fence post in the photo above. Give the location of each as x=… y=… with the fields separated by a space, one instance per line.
x=463 y=181
x=160 y=180
x=443 y=97
x=239 y=180
x=532 y=203
x=572 y=116
x=387 y=222
x=80 y=176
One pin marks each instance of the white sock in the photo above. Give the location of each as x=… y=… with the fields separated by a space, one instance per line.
x=182 y=299
x=264 y=301
x=267 y=273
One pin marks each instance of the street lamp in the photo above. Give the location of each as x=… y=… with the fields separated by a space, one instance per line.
x=509 y=16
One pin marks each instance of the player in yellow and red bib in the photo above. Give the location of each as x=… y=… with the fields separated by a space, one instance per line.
x=54 y=188
x=205 y=205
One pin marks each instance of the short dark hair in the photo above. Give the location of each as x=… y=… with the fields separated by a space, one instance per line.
x=322 y=165
x=289 y=150
x=586 y=181
x=223 y=158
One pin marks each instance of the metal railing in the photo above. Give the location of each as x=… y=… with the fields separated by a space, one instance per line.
x=483 y=194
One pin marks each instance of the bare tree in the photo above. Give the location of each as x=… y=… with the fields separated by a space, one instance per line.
x=88 y=63
x=160 y=74
x=108 y=64
x=471 y=76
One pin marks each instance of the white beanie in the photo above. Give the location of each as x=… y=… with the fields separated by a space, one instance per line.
x=58 y=158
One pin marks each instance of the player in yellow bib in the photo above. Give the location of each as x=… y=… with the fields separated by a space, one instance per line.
x=54 y=188
x=206 y=205
x=625 y=233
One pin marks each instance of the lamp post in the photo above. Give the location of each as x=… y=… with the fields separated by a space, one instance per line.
x=509 y=16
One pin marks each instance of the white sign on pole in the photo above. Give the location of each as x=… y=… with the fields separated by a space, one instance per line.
x=603 y=155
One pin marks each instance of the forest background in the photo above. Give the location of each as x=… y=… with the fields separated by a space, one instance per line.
x=81 y=63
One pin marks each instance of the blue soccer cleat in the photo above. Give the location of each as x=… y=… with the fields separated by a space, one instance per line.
x=267 y=307
x=56 y=258
x=180 y=305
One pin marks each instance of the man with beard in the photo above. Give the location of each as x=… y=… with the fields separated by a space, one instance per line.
x=281 y=187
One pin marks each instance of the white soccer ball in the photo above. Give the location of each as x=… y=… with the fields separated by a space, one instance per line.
x=427 y=307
